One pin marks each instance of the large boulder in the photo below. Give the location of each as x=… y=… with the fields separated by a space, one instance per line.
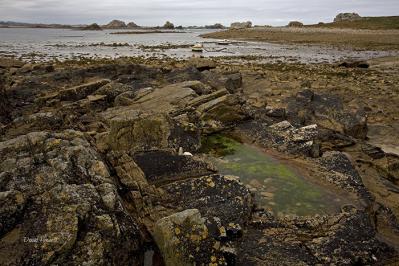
x=169 y=235
x=241 y=25
x=233 y=82
x=295 y=24
x=135 y=131
x=347 y=17
x=221 y=113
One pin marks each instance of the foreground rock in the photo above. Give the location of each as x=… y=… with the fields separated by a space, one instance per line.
x=100 y=163
x=52 y=194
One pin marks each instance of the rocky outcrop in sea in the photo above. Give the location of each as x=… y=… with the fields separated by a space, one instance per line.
x=115 y=24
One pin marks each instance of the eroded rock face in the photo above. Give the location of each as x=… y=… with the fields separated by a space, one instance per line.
x=63 y=204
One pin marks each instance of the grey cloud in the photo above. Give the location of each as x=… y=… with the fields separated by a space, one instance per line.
x=155 y=12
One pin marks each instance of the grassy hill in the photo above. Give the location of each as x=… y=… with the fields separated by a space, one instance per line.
x=372 y=23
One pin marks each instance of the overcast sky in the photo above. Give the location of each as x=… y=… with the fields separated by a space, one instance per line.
x=189 y=12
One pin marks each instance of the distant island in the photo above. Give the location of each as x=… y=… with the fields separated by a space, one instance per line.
x=114 y=24
x=12 y=24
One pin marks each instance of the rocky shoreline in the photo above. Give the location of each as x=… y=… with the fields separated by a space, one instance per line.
x=101 y=162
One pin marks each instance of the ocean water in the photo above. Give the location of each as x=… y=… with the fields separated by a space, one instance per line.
x=47 y=44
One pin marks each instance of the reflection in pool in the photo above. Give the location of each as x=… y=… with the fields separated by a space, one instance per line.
x=278 y=187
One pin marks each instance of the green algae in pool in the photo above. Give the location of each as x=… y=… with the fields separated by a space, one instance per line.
x=278 y=187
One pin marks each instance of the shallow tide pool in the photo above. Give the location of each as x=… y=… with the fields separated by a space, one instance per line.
x=278 y=187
